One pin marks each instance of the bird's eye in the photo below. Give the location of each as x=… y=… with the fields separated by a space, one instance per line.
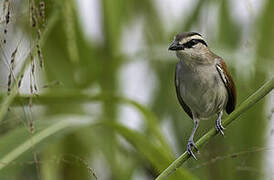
x=194 y=41
x=191 y=43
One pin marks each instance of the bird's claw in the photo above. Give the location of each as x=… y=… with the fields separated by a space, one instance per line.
x=189 y=148
x=219 y=127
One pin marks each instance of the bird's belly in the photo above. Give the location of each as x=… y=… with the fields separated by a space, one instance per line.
x=204 y=96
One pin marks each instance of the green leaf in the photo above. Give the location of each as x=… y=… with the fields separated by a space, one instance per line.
x=152 y=152
x=19 y=141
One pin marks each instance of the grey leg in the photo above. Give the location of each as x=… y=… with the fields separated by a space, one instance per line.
x=218 y=124
x=190 y=140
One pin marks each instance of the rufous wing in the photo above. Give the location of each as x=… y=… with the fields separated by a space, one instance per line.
x=229 y=84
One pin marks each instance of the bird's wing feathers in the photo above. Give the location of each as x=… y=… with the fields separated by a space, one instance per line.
x=229 y=84
x=183 y=104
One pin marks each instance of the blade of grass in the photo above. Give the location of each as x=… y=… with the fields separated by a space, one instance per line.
x=154 y=153
x=79 y=97
x=69 y=27
x=58 y=123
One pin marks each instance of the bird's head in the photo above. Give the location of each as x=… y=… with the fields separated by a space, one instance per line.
x=189 y=44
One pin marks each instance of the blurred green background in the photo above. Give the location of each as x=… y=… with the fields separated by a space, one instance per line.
x=106 y=105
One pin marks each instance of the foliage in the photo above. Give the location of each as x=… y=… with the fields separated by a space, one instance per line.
x=64 y=121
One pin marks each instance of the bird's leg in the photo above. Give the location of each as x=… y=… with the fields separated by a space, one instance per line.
x=190 y=142
x=218 y=124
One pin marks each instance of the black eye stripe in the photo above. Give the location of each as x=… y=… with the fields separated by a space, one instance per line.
x=193 y=42
x=201 y=41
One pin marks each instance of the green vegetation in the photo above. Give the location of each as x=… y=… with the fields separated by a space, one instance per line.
x=68 y=124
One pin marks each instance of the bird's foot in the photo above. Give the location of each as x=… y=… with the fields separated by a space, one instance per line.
x=189 y=148
x=219 y=126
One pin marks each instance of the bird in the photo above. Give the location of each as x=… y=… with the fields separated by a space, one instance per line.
x=204 y=86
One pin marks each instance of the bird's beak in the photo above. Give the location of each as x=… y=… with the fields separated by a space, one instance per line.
x=175 y=46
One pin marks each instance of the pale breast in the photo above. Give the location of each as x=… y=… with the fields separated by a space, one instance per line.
x=201 y=88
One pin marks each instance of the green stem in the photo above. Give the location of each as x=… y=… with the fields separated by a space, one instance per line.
x=249 y=102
